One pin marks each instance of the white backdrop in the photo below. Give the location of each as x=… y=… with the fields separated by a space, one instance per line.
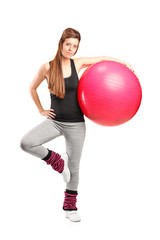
x=119 y=172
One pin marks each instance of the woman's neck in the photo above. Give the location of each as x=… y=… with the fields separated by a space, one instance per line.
x=65 y=61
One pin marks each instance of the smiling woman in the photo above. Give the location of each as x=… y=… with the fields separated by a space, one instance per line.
x=70 y=46
x=65 y=116
x=67 y=48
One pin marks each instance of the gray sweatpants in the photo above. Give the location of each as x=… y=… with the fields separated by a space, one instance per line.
x=49 y=129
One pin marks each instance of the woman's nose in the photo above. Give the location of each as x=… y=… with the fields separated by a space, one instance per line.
x=70 y=48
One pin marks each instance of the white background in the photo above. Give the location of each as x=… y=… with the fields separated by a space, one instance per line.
x=119 y=174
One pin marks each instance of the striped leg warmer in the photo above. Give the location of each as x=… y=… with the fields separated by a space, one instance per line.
x=55 y=160
x=70 y=200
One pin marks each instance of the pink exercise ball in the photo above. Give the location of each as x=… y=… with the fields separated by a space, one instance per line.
x=109 y=93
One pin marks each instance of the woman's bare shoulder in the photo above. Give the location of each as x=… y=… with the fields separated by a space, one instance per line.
x=46 y=66
x=44 y=69
x=78 y=64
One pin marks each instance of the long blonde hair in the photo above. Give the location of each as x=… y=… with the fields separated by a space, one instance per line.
x=56 y=83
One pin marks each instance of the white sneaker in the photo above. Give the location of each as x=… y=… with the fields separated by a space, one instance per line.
x=66 y=172
x=73 y=216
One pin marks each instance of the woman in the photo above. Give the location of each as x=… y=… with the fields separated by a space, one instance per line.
x=65 y=116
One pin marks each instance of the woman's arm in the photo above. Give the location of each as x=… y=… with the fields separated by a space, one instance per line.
x=37 y=80
x=88 y=61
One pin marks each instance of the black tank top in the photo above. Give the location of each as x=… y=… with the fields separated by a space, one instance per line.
x=67 y=109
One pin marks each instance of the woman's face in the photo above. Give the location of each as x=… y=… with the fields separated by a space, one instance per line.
x=70 y=46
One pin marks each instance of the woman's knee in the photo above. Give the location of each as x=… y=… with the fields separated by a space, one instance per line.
x=24 y=144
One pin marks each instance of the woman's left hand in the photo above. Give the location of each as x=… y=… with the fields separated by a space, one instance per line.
x=129 y=66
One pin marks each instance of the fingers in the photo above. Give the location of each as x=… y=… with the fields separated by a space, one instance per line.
x=48 y=113
x=135 y=74
x=130 y=67
x=51 y=114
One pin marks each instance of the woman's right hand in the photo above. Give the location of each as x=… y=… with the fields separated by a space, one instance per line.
x=48 y=113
